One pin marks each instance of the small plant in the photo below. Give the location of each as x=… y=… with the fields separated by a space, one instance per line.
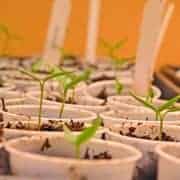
x=7 y=37
x=111 y=52
x=118 y=86
x=69 y=82
x=83 y=137
x=160 y=111
x=35 y=67
x=42 y=83
x=150 y=96
x=38 y=64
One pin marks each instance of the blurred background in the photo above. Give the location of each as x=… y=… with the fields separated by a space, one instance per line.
x=119 y=19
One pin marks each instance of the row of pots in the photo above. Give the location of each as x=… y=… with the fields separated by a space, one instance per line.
x=125 y=147
x=148 y=130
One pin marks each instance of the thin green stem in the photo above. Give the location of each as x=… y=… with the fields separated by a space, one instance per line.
x=62 y=105
x=42 y=83
x=160 y=118
x=161 y=127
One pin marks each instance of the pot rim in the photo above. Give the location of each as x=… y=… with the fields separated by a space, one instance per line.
x=136 y=154
x=168 y=156
x=107 y=115
x=91 y=115
x=30 y=95
x=147 y=141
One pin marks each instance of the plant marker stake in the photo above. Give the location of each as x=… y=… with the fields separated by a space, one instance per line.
x=164 y=26
x=56 y=32
x=148 y=36
x=145 y=63
x=92 y=32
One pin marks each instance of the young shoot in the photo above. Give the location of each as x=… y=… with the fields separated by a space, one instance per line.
x=160 y=111
x=37 y=66
x=111 y=49
x=69 y=82
x=42 y=83
x=119 y=87
x=150 y=96
x=83 y=137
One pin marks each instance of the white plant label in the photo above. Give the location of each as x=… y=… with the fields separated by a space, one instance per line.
x=92 y=31
x=56 y=31
x=153 y=29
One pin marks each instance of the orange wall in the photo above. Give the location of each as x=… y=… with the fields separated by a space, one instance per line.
x=119 y=19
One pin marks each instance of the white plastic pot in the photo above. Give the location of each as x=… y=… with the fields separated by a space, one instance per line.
x=129 y=103
x=168 y=161
x=30 y=112
x=147 y=166
x=33 y=98
x=58 y=161
x=137 y=115
x=95 y=89
x=19 y=178
x=12 y=97
x=110 y=74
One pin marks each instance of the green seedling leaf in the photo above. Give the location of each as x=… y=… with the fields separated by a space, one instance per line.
x=29 y=74
x=160 y=111
x=69 y=136
x=42 y=85
x=88 y=133
x=55 y=75
x=169 y=103
x=150 y=95
x=145 y=103
x=75 y=80
x=105 y=44
x=119 y=44
x=36 y=65
x=83 y=137
x=118 y=86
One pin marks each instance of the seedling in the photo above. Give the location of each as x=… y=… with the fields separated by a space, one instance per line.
x=83 y=137
x=150 y=96
x=118 y=86
x=35 y=67
x=42 y=83
x=38 y=64
x=111 y=52
x=69 y=82
x=8 y=36
x=160 y=111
